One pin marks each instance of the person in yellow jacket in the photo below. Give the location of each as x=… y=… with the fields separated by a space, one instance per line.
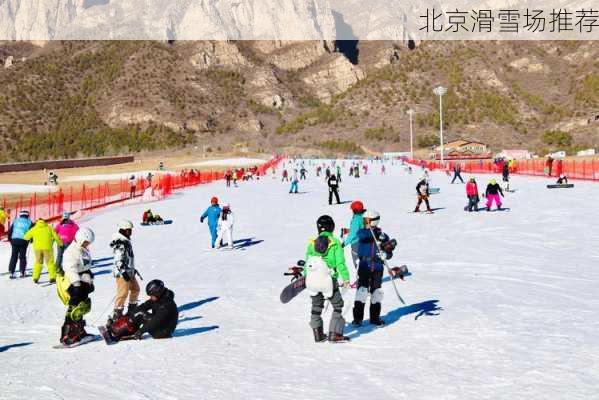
x=43 y=237
x=2 y=221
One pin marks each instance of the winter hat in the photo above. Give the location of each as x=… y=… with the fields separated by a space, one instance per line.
x=66 y=215
x=227 y=207
x=24 y=213
x=214 y=200
x=321 y=244
x=493 y=181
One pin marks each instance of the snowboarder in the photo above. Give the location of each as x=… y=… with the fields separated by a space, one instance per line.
x=75 y=283
x=321 y=280
x=383 y=169
x=423 y=194
x=333 y=184
x=357 y=223
x=327 y=173
x=338 y=173
x=492 y=194
x=43 y=237
x=157 y=316
x=16 y=232
x=562 y=180
x=213 y=214
x=294 y=183
x=225 y=227
x=472 y=194
x=66 y=230
x=370 y=269
x=356 y=171
x=457 y=170
x=505 y=172
x=149 y=218
x=124 y=271
x=548 y=165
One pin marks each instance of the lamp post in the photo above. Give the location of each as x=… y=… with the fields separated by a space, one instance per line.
x=410 y=113
x=440 y=91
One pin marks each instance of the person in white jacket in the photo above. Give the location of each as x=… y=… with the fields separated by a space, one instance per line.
x=75 y=285
x=225 y=227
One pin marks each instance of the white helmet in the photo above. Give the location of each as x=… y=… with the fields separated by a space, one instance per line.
x=125 y=224
x=373 y=216
x=85 y=234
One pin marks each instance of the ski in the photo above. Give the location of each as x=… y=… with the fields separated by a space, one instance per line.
x=85 y=340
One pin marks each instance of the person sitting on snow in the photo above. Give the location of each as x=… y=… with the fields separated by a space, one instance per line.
x=562 y=180
x=157 y=316
x=149 y=218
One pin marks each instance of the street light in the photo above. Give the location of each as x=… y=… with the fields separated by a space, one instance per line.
x=440 y=91
x=410 y=113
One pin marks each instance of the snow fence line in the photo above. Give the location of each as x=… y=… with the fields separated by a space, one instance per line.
x=587 y=170
x=87 y=199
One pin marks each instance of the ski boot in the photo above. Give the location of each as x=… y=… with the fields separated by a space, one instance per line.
x=117 y=313
x=335 y=337
x=12 y=276
x=72 y=331
x=131 y=309
x=358 y=313
x=319 y=335
x=375 y=315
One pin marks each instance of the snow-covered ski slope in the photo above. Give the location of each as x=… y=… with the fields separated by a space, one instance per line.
x=501 y=305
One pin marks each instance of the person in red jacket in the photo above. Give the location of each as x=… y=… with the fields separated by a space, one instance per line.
x=472 y=193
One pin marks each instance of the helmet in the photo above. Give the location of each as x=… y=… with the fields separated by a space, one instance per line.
x=472 y=179
x=85 y=234
x=66 y=215
x=424 y=178
x=155 y=288
x=214 y=200
x=373 y=216
x=357 y=206
x=493 y=181
x=325 y=224
x=125 y=224
x=24 y=213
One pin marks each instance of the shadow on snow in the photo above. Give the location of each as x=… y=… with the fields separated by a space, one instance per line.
x=10 y=346
x=193 y=331
x=195 y=304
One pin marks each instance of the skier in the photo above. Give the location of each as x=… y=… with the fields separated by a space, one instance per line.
x=327 y=173
x=124 y=271
x=132 y=186
x=75 y=283
x=562 y=180
x=157 y=316
x=294 y=183
x=457 y=170
x=351 y=170
x=333 y=189
x=318 y=170
x=16 y=232
x=225 y=227
x=357 y=223
x=327 y=248
x=228 y=177
x=423 y=194
x=212 y=213
x=66 y=230
x=492 y=194
x=150 y=218
x=383 y=169
x=472 y=194
x=303 y=173
x=505 y=172
x=356 y=171
x=43 y=237
x=370 y=269
x=338 y=173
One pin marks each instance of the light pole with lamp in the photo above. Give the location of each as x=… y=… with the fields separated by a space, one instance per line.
x=410 y=113
x=440 y=91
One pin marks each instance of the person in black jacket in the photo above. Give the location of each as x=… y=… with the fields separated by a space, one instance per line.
x=333 y=183
x=423 y=193
x=492 y=194
x=158 y=316
x=457 y=173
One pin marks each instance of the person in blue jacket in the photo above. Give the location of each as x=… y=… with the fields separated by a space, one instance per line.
x=213 y=214
x=371 y=267
x=357 y=223
x=17 y=230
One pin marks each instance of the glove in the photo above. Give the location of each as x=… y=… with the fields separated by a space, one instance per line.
x=138 y=335
x=202 y=220
x=126 y=276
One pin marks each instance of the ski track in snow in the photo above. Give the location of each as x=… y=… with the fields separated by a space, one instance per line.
x=499 y=305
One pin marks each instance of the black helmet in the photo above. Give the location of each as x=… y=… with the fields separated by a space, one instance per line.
x=325 y=224
x=155 y=288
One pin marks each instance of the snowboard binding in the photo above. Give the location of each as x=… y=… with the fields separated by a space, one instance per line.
x=399 y=272
x=296 y=271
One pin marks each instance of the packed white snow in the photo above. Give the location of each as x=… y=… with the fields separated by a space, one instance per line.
x=236 y=162
x=113 y=177
x=6 y=188
x=500 y=305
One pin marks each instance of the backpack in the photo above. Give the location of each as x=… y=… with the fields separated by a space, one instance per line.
x=318 y=277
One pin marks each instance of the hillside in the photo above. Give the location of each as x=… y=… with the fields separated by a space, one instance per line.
x=67 y=99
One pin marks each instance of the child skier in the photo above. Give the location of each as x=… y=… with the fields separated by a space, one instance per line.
x=472 y=194
x=43 y=237
x=294 y=183
x=357 y=223
x=423 y=194
x=492 y=194
x=213 y=214
x=66 y=230
x=321 y=280
x=16 y=232
x=75 y=283
x=225 y=227
x=370 y=270
x=124 y=270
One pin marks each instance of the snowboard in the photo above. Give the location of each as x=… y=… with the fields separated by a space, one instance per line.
x=434 y=190
x=165 y=222
x=106 y=335
x=293 y=289
x=85 y=340
x=562 y=186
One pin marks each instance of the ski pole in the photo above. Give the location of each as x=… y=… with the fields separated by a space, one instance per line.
x=386 y=266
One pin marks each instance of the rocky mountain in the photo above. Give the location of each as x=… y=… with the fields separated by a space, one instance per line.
x=63 y=99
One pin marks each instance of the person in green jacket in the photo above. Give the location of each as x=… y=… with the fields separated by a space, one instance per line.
x=43 y=237
x=357 y=223
x=328 y=248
